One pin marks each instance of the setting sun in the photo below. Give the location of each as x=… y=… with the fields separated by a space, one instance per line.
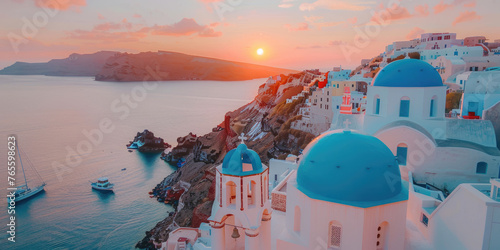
x=260 y=52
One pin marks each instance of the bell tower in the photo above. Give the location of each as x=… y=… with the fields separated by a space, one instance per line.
x=241 y=213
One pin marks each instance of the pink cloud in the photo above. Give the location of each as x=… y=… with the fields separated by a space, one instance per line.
x=186 y=27
x=285 y=5
x=101 y=17
x=299 y=27
x=332 y=5
x=422 y=10
x=60 y=4
x=466 y=16
x=352 y=20
x=396 y=12
x=441 y=6
x=415 y=33
x=137 y=16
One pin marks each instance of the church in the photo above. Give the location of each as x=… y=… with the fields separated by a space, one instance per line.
x=400 y=176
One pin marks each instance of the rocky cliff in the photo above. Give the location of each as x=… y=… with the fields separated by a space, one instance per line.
x=177 y=66
x=265 y=122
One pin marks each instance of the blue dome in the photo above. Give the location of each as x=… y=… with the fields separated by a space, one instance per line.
x=408 y=73
x=350 y=168
x=234 y=159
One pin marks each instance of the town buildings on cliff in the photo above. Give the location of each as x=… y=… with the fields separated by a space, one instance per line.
x=397 y=176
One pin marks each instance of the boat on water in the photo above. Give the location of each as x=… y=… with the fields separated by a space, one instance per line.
x=102 y=184
x=26 y=191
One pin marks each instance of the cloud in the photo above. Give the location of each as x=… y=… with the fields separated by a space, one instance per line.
x=186 y=27
x=286 y=4
x=101 y=17
x=335 y=43
x=396 y=12
x=352 y=20
x=441 y=6
x=310 y=47
x=125 y=31
x=137 y=15
x=422 y=10
x=60 y=4
x=314 y=20
x=415 y=33
x=299 y=27
x=332 y=5
x=466 y=16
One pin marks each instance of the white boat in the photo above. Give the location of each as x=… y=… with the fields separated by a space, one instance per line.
x=102 y=184
x=24 y=191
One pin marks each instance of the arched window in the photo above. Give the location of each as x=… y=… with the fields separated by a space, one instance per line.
x=382 y=236
x=404 y=107
x=334 y=235
x=296 y=219
x=376 y=105
x=230 y=193
x=251 y=192
x=433 y=108
x=401 y=154
x=482 y=167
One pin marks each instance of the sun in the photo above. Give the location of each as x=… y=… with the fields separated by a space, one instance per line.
x=260 y=52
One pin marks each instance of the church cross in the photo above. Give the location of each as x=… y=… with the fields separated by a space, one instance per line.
x=242 y=138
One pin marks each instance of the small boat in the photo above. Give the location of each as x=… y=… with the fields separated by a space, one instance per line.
x=102 y=184
x=123 y=169
x=181 y=162
x=130 y=150
x=24 y=191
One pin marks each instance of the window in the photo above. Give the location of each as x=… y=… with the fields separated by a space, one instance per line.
x=425 y=220
x=335 y=235
x=376 y=108
x=296 y=219
x=433 y=107
x=321 y=106
x=402 y=152
x=404 y=107
x=230 y=193
x=251 y=192
x=440 y=38
x=482 y=167
x=447 y=37
x=455 y=53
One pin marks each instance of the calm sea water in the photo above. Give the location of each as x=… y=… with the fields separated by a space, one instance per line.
x=48 y=115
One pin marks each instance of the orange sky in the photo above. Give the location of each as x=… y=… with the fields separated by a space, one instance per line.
x=294 y=34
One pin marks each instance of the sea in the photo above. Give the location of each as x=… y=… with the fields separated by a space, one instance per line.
x=74 y=130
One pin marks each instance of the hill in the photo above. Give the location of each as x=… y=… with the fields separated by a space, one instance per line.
x=165 y=65
x=74 y=65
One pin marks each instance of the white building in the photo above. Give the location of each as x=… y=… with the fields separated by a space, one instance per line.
x=358 y=191
x=481 y=92
x=405 y=109
x=432 y=41
x=458 y=51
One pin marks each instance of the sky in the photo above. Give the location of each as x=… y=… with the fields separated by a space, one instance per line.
x=293 y=34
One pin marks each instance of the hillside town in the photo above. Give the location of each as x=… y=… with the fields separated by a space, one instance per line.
x=429 y=158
